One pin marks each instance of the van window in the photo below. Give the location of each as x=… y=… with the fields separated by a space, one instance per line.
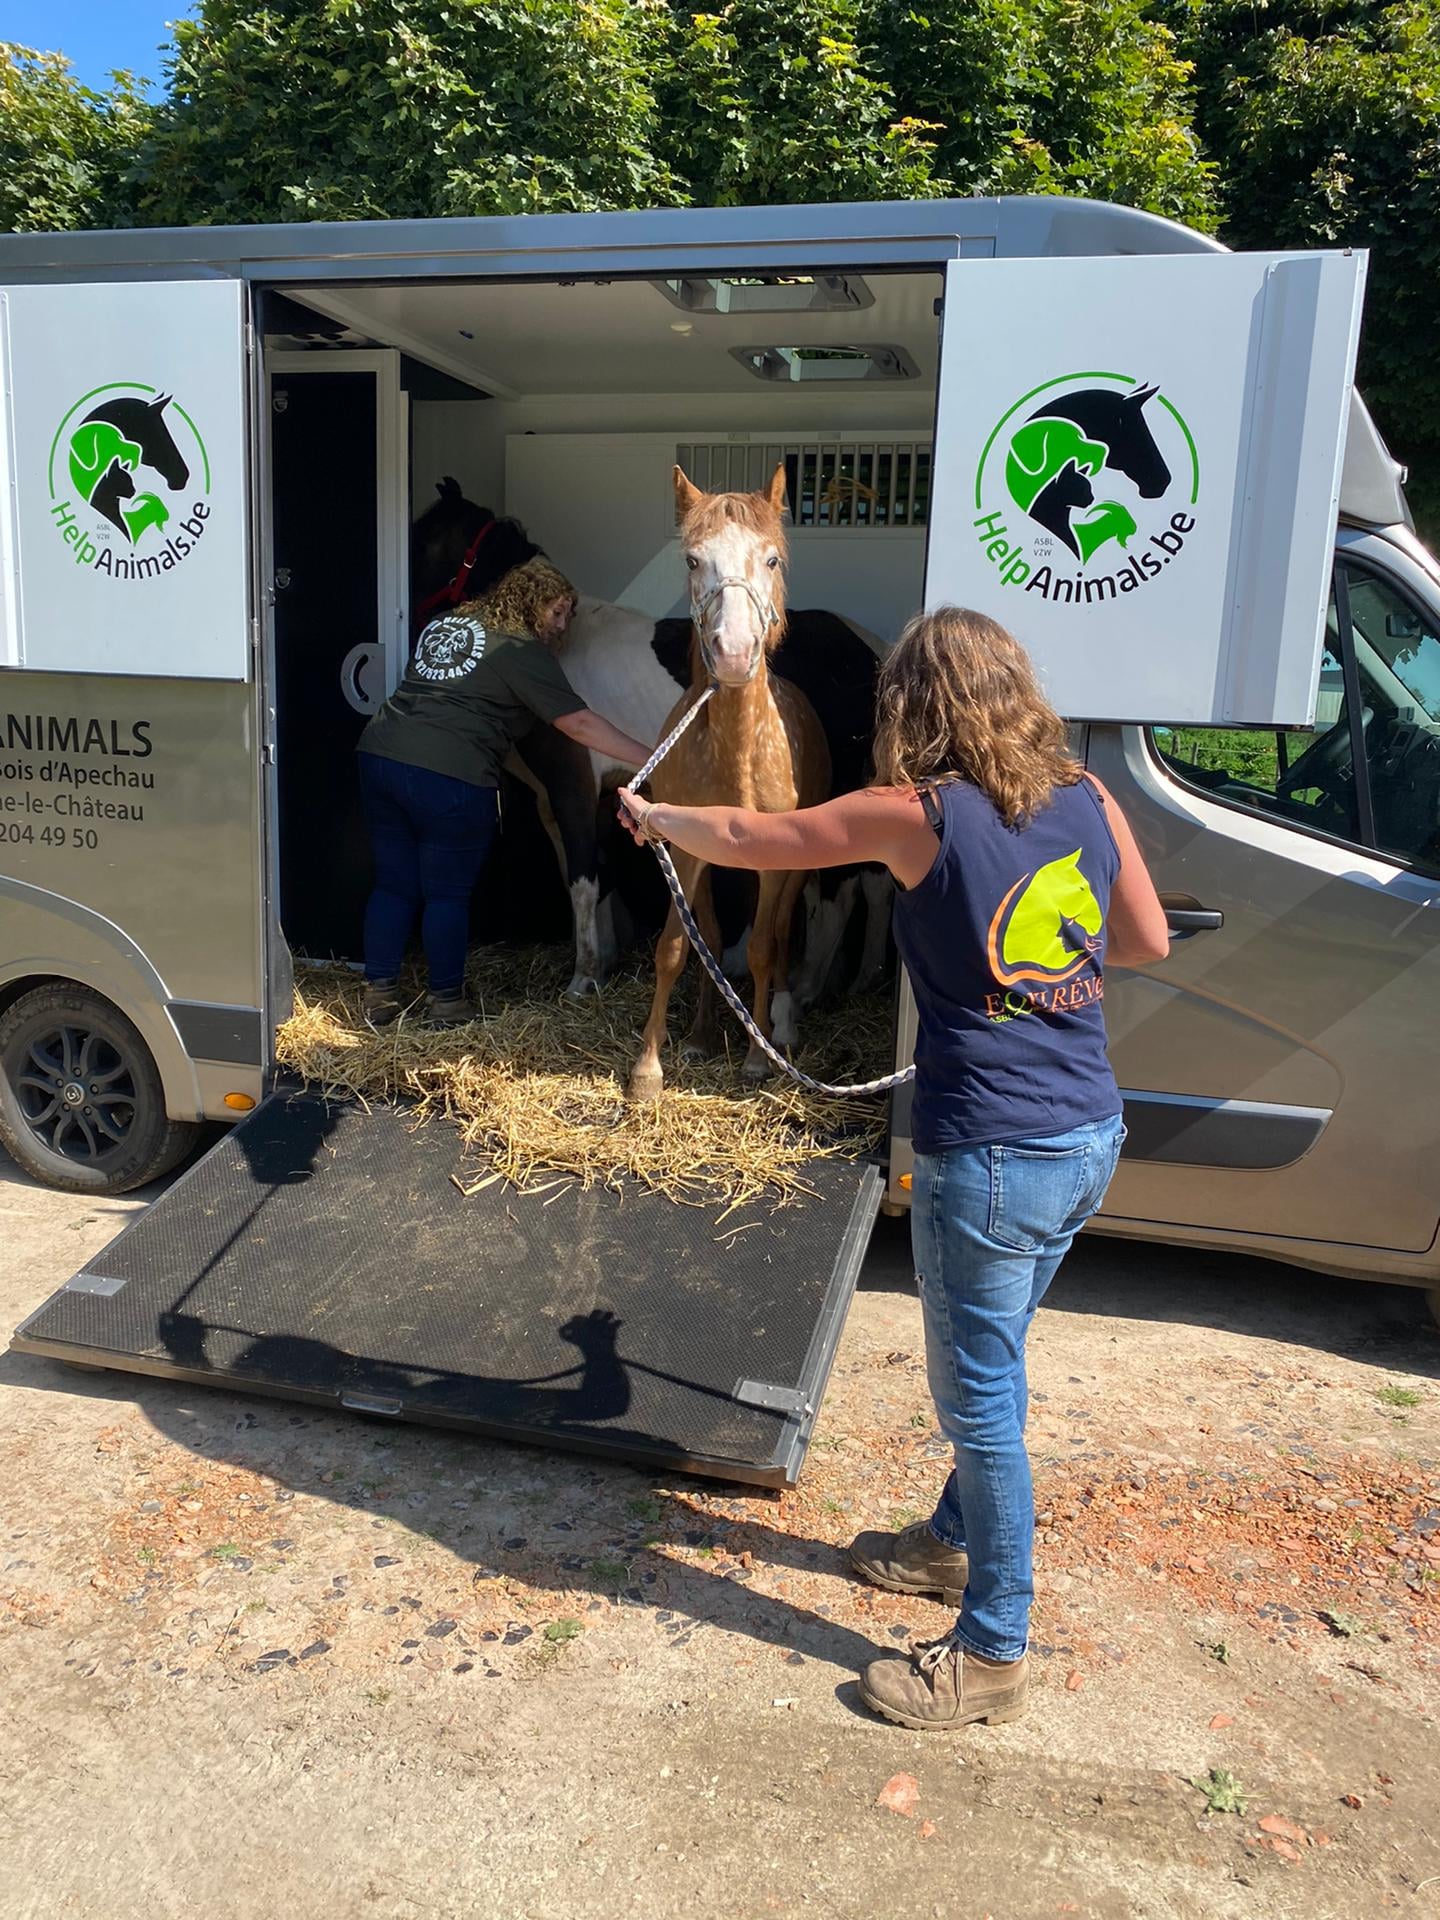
x=1309 y=780
x=1398 y=656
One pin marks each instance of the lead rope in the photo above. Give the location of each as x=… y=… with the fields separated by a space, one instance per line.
x=711 y=964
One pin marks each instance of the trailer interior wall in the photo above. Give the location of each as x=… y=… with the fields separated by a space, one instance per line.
x=580 y=400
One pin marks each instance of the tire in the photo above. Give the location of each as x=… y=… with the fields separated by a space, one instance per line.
x=1432 y=1300
x=81 y=1103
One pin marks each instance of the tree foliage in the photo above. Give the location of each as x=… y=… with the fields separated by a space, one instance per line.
x=1324 y=118
x=65 y=151
x=1051 y=96
x=761 y=104
x=355 y=109
x=1293 y=122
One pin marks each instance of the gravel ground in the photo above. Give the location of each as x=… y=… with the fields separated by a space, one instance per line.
x=259 y=1659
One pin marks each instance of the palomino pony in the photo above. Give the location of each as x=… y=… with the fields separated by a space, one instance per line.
x=629 y=666
x=756 y=744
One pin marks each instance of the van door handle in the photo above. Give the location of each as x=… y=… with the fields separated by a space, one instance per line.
x=1183 y=921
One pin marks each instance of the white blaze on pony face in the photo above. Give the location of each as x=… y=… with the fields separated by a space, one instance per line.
x=735 y=559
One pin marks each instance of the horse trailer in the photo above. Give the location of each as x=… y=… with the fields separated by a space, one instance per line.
x=1142 y=453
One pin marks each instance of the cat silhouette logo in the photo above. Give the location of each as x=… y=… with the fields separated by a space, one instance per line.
x=448 y=648
x=1047 y=928
x=118 y=457
x=1086 y=459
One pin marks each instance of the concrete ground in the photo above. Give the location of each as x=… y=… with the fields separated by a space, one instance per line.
x=249 y=1650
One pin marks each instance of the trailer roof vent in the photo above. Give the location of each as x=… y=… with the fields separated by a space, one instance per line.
x=770 y=293
x=789 y=364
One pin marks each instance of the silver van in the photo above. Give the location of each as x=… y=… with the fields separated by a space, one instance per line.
x=175 y=818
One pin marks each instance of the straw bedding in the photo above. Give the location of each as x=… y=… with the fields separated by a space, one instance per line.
x=536 y=1088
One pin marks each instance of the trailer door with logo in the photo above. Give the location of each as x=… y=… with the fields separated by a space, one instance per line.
x=1137 y=472
x=129 y=748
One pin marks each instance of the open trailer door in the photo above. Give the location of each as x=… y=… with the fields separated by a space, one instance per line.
x=1137 y=471
x=131 y=823
x=323 y=1252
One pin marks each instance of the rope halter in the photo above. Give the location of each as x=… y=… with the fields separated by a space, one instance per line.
x=765 y=612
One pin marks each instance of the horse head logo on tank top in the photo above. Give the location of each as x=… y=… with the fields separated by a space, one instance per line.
x=1047 y=928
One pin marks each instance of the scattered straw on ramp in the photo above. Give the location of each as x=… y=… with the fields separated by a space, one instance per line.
x=537 y=1087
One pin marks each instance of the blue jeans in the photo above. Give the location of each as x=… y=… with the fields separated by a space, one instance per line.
x=989 y=1227
x=429 y=835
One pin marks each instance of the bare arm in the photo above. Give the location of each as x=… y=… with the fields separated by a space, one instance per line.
x=592 y=731
x=883 y=824
x=1136 y=932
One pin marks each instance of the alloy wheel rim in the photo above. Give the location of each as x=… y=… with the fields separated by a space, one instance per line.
x=77 y=1093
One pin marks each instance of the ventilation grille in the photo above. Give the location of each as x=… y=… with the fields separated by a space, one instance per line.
x=856 y=484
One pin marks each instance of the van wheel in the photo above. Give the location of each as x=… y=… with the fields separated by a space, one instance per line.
x=81 y=1104
x=1433 y=1301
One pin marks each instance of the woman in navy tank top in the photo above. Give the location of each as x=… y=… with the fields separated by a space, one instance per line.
x=1020 y=880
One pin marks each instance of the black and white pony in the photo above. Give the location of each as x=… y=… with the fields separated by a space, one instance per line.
x=630 y=668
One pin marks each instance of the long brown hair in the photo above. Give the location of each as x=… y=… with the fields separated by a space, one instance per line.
x=958 y=699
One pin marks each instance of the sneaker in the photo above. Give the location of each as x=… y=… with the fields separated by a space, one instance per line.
x=940 y=1688
x=450 y=1010
x=381 y=1003
x=911 y=1562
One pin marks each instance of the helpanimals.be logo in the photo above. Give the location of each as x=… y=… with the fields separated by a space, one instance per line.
x=1086 y=488
x=119 y=456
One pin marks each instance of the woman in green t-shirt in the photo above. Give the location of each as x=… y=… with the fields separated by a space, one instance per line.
x=430 y=760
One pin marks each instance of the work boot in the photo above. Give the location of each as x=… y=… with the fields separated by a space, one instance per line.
x=381 y=1003
x=450 y=1010
x=940 y=1688
x=911 y=1562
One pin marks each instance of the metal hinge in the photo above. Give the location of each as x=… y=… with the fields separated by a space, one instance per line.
x=790 y=1401
x=377 y=1403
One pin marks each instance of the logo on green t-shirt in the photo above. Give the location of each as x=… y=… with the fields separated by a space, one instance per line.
x=449 y=648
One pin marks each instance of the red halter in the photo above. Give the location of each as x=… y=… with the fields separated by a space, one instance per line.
x=453 y=592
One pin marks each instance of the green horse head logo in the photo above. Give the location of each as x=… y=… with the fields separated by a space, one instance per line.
x=1047 y=928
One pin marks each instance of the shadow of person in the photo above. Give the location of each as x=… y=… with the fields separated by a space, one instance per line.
x=294 y=1363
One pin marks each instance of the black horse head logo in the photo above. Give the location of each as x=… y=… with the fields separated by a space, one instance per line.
x=1056 y=455
x=1117 y=421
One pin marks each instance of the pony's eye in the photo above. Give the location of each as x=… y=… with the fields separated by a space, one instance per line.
x=692 y=561
x=773 y=561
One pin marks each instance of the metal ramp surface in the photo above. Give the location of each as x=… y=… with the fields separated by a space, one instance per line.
x=323 y=1252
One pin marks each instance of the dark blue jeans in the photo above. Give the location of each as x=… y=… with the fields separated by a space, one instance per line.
x=429 y=835
x=989 y=1226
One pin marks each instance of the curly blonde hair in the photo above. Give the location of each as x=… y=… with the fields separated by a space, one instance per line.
x=516 y=602
x=959 y=700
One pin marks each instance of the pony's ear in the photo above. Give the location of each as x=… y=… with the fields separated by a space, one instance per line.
x=159 y=405
x=448 y=488
x=687 y=496
x=775 y=492
x=1143 y=394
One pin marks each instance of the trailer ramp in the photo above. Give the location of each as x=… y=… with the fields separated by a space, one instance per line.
x=323 y=1252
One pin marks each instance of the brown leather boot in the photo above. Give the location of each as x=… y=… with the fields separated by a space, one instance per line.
x=382 y=1003
x=940 y=1689
x=912 y=1561
x=450 y=1010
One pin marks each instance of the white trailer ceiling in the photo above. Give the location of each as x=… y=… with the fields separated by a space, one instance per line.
x=516 y=341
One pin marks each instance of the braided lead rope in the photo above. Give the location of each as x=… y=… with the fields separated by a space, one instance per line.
x=668 y=742
x=711 y=964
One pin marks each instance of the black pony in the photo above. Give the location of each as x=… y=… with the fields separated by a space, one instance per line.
x=440 y=541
